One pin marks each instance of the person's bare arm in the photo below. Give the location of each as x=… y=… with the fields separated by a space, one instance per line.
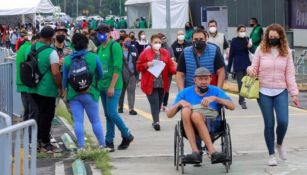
x=180 y=80
x=175 y=108
x=221 y=77
x=227 y=103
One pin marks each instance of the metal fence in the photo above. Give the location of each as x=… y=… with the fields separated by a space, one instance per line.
x=300 y=63
x=18 y=153
x=6 y=88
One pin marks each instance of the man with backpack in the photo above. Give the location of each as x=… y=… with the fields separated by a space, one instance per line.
x=47 y=87
x=111 y=56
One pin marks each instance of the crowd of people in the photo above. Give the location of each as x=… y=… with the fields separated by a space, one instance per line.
x=113 y=63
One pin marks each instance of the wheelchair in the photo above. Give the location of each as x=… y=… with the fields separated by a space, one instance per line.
x=222 y=132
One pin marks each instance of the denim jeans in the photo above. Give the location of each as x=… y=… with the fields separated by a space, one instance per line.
x=113 y=118
x=279 y=104
x=77 y=105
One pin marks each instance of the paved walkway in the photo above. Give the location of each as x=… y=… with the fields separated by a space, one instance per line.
x=152 y=152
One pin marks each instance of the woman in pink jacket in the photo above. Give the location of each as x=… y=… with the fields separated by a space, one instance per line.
x=273 y=64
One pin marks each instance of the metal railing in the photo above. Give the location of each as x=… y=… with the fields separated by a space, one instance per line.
x=5 y=121
x=6 y=87
x=300 y=65
x=19 y=154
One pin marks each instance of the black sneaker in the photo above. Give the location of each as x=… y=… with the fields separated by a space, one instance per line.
x=133 y=112
x=218 y=157
x=243 y=105
x=49 y=148
x=125 y=142
x=156 y=126
x=120 y=110
x=194 y=158
x=110 y=146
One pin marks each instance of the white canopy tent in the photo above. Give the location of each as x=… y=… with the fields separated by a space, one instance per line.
x=22 y=7
x=156 y=11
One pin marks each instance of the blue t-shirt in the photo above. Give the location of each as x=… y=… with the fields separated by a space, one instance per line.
x=189 y=95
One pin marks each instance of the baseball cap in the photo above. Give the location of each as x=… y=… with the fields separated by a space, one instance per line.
x=202 y=71
x=103 y=28
x=47 y=32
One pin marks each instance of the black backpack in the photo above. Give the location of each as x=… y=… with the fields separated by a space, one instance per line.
x=29 y=73
x=79 y=77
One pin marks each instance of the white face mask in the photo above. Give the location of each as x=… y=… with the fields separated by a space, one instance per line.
x=212 y=29
x=143 y=36
x=180 y=37
x=242 y=34
x=156 y=46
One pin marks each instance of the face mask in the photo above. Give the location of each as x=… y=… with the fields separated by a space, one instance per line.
x=102 y=37
x=212 y=29
x=132 y=37
x=156 y=46
x=187 y=28
x=143 y=36
x=242 y=34
x=60 y=38
x=29 y=37
x=252 y=25
x=199 y=45
x=180 y=37
x=274 y=42
x=121 y=37
x=202 y=90
x=127 y=44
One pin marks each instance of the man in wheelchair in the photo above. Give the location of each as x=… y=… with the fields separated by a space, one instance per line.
x=194 y=103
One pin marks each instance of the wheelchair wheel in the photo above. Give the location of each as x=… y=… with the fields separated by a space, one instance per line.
x=226 y=147
x=181 y=149
x=176 y=148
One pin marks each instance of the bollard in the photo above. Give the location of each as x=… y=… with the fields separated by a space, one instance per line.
x=78 y=167
x=68 y=142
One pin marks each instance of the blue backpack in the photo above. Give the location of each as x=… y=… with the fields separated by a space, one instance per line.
x=79 y=77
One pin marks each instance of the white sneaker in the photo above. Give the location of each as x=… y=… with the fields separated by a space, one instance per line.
x=282 y=152
x=272 y=160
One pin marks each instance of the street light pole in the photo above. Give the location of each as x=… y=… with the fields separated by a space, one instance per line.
x=120 y=7
x=168 y=19
x=77 y=8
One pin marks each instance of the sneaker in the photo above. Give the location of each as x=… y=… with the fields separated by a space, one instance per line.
x=120 y=110
x=272 y=160
x=110 y=146
x=194 y=158
x=133 y=112
x=218 y=157
x=156 y=126
x=105 y=148
x=243 y=105
x=125 y=142
x=163 y=108
x=282 y=152
x=49 y=148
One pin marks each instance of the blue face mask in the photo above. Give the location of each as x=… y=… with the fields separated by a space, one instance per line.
x=127 y=44
x=102 y=37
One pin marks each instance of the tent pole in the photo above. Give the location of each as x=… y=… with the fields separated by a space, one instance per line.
x=168 y=19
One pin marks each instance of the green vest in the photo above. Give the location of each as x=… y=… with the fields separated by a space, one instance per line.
x=46 y=86
x=21 y=57
x=111 y=65
x=90 y=59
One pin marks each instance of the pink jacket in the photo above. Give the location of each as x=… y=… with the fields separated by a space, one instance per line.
x=275 y=73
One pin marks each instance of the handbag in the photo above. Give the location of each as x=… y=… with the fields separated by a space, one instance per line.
x=250 y=87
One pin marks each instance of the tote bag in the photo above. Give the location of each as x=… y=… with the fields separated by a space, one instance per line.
x=250 y=87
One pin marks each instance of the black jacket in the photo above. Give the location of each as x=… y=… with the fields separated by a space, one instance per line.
x=178 y=48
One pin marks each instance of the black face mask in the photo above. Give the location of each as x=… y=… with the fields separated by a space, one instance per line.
x=187 y=28
x=199 y=45
x=132 y=37
x=202 y=90
x=252 y=25
x=121 y=37
x=60 y=38
x=274 y=42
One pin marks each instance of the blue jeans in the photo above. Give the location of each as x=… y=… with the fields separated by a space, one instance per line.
x=85 y=102
x=113 y=118
x=268 y=105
